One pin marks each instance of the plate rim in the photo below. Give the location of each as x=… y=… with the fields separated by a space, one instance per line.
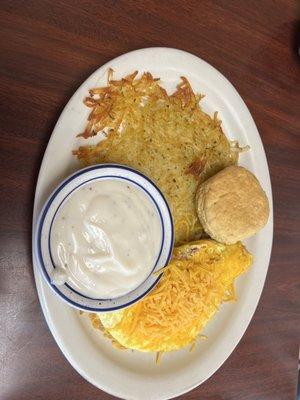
x=270 y=223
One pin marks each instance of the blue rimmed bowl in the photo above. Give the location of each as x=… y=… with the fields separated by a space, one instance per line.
x=42 y=240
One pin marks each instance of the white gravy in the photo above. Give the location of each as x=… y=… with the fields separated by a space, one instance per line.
x=105 y=239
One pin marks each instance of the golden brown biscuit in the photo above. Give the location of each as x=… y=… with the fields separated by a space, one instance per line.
x=232 y=205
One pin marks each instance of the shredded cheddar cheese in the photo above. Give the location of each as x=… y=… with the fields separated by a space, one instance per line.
x=198 y=279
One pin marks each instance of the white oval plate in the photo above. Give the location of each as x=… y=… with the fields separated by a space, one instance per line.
x=134 y=375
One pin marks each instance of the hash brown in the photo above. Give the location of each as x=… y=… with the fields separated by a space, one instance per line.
x=167 y=137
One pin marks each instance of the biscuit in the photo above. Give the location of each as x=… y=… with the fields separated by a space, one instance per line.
x=231 y=205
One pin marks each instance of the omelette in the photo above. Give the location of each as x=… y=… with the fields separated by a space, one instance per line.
x=198 y=279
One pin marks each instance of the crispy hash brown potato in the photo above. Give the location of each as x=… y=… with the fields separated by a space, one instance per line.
x=198 y=279
x=167 y=137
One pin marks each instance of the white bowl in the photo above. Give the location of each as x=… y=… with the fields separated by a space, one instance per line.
x=60 y=195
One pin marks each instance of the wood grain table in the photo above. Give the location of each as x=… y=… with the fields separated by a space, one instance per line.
x=48 y=48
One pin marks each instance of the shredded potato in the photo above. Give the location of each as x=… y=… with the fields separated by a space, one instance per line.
x=198 y=279
x=167 y=137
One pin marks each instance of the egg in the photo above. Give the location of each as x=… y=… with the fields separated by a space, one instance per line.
x=194 y=284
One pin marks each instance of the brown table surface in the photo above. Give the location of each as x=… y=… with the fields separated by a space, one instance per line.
x=48 y=49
